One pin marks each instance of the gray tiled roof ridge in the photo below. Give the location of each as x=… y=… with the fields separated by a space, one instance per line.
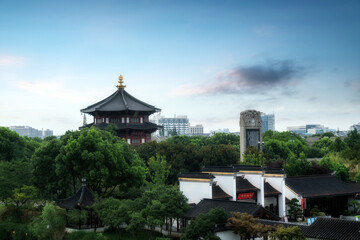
x=125 y=105
x=199 y=175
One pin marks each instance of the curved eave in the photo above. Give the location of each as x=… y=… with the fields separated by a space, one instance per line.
x=120 y=101
x=122 y=126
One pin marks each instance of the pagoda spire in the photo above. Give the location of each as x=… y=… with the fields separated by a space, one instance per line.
x=121 y=85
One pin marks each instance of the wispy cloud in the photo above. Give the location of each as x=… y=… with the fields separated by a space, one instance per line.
x=52 y=89
x=10 y=61
x=250 y=79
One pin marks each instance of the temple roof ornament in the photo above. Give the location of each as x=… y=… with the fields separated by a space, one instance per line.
x=121 y=82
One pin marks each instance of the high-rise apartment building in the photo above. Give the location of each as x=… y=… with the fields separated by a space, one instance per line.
x=179 y=124
x=268 y=122
x=27 y=131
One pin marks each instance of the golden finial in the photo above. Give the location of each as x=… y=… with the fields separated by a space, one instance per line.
x=121 y=82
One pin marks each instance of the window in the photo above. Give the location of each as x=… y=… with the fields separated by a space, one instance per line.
x=115 y=120
x=134 y=120
x=135 y=141
x=99 y=120
x=122 y=120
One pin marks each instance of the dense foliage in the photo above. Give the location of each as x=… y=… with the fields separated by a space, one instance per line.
x=190 y=154
x=203 y=226
x=134 y=185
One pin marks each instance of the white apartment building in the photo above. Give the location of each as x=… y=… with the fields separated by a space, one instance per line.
x=196 y=130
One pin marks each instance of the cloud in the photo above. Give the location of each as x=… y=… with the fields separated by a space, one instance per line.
x=10 y=61
x=258 y=78
x=52 y=89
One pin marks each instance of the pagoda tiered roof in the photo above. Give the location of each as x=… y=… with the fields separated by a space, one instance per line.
x=120 y=101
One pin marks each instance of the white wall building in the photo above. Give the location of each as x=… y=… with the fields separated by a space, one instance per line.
x=196 y=130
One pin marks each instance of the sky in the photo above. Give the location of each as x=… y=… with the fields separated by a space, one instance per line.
x=209 y=60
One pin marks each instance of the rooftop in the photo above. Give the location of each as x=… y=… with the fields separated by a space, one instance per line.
x=206 y=205
x=120 y=101
x=333 y=229
x=319 y=186
x=196 y=175
x=83 y=198
x=243 y=185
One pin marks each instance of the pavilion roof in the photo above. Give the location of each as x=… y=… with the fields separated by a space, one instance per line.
x=83 y=198
x=319 y=186
x=120 y=101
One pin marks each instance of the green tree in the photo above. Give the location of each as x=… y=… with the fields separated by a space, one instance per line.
x=297 y=167
x=324 y=144
x=23 y=195
x=12 y=146
x=294 y=211
x=50 y=224
x=224 y=138
x=44 y=170
x=253 y=156
x=352 y=152
x=288 y=233
x=341 y=170
x=112 y=128
x=219 y=155
x=160 y=203
x=338 y=145
x=276 y=149
x=114 y=212
x=174 y=203
x=13 y=175
x=203 y=226
x=246 y=226
x=106 y=161
x=158 y=170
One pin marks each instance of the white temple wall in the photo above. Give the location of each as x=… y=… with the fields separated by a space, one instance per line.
x=195 y=191
x=278 y=183
x=227 y=183
x=258 y=181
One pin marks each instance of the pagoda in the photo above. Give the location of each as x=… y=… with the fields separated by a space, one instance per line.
x=129 y=114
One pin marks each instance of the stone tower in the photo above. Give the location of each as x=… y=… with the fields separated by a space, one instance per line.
x=250 y=131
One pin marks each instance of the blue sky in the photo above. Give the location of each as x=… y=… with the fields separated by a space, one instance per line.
x=209 y=60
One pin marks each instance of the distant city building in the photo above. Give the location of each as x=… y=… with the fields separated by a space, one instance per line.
x=268 y=122
x=179 y=124
x=297 y=129
x=47 y=133
x=27 y=131
x=308 y=129
x=355 y=126
x=196 y=130
x=224 y=130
